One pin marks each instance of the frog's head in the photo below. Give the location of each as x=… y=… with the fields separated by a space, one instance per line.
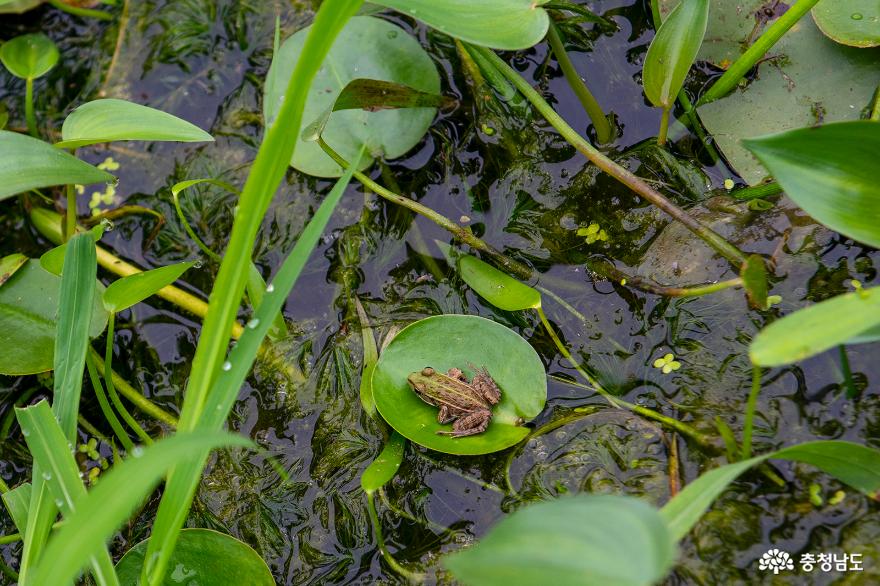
x=418 y=380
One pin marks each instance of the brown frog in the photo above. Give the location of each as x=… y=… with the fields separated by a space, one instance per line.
x=468 y=405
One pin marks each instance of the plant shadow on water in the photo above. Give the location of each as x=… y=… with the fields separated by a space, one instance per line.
x=527 y=193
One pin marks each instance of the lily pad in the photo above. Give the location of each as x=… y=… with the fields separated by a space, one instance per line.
x=202 y=556
x=460 y=341
x=368 y=48
x=808 y=79
x=28 y=307
x=850 y=22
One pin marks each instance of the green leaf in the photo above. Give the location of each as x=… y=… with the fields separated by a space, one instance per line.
x=384 y=467
x=111 y=120
x=204 y=556
x=673 y=51
x=28 y=306
x=754 y=276
x=53 y=260
x=816 y=328
x=371 y=356
x=29 y=56
x=17 y=502
x=10 y=264
x=460 y=341
x=810 y=80
x=585 y=539
x=851 y=22
x=52 y=455
x=366 y=48
x=499 y=24
x=18 y=6
x=27 y=163
x=852 y=464
x=112 y=501
x=830 y=172
x=496 y=287
x=131 y=290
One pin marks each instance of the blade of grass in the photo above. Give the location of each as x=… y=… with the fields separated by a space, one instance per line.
x=266 y=174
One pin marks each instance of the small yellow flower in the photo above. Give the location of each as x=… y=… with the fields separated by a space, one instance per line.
x=773 y=300
x=592 y=233
x=108 y=165
x=729 y=184
x=667 y=364
x=80 y=189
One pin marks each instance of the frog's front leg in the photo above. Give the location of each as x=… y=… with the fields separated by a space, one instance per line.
x=445 y=415
x=471 y=424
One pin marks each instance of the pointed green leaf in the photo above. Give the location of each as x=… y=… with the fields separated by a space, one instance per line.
x=53 y=260
x=571 y=541
x=384 y=467
x=27 y=163
x=496 y=287
x=17 y=502
x=816 y=328
x=673 y=51
x=831 y=172
x=127 y=291
x=754 y=276
x=29 y=56
x=111 y=119
x=499 y=24
x=10 y=264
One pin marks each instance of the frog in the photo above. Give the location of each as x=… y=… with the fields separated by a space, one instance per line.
x=467 y=405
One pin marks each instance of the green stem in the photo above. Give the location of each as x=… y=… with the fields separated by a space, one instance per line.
x=131 y=393
x=78 y=11
x=111 y=388
x=70 y=215
x=756 y=52
x=851 y=391
x=757 y=191
x=638 y=185
x=9 y=572
x=587 y=100
x=751 y=406
x=11 y=538
x=29 y=115
x=664 y=126
x=389 y=559
x=109 y=415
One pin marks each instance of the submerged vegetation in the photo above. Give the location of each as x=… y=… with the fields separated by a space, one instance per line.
x=494 y=292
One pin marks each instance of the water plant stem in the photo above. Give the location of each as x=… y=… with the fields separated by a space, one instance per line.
x=638 y=185
x=106 y=409
x=415 y=577
x=579 y=87
x=111 y=388
x=79 y=11
x=70 y=214
x=756 y=52
x=851 y=391
x=757 y=191
x=664 y=126
x=29 y=115
x=751 y=406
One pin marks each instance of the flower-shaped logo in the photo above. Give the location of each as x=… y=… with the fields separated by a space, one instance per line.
x=776 y=560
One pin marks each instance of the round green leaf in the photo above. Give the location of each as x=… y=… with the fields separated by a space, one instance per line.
x=586 y=539
x=460 y=341
x=498 y=288
x=499 y=24
x=368 y=48
x=28 y=307
x=110 y=120
x=202 y=556
x=831 y=172
x=850 y=22
x=816 y=328
x=27 y=163
x=673 y=50
x=29 y=56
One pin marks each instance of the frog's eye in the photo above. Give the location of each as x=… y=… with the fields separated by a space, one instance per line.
x=427 y=371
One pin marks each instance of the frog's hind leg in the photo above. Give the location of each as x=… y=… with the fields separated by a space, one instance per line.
x=469 y=425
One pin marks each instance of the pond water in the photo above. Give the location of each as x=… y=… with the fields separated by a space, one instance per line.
x=525 y=191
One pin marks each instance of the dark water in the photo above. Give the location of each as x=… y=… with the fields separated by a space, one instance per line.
x=526 y=192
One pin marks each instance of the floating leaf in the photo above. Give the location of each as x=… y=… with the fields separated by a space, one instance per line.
x=385 y=466
x=754 y=276
x=28 y=307
x=29 y=56
x=586 y=539
x=111 y=120
x=366 y=48
x=127 y=291
x=831 y=172
x=816 y=328
x=203 y=556
x=27 y=163
x=499 y=24
x=460 y=341
x=673 y=51
x=851 y=22
x=496 y=287
x=9 y=264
